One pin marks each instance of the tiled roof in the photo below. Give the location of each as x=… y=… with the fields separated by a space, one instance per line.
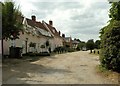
x=40 y=29
x=40 y=25
x=67 y=37
x=75 y=42
x=50 y=29
x=53 y=30
x=31 y=22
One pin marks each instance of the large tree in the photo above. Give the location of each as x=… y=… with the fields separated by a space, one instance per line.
x=90 y=45
x=110 y=40
x=10 y=20
x=97 y=44
x=81 y=45
x=11 y=25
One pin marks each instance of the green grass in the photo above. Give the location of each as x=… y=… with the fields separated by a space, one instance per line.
x=103 y=70
x=108 y=74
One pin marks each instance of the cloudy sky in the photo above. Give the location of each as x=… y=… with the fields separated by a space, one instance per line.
x=81 y=19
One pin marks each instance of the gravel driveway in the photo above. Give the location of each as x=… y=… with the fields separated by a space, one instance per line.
x=69 y=68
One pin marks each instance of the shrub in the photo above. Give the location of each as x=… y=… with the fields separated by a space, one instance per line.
x=71 y=50
x=110 y=46
x=110 y=40
x=60 y=49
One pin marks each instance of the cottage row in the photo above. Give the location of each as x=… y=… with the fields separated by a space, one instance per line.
x=37 y=37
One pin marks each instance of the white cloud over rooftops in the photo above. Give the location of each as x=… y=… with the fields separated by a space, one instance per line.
x=81 y=19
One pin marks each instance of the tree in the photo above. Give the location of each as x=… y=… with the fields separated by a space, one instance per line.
x=90 y=45
x=11 y=26
x=81 y=45
x=78 y=40
x=110 y=40
x=97 y=44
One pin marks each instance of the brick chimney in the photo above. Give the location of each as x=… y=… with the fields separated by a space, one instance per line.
x=63 y=35
x=51 y=22
x=33 y=17
x=59 y=32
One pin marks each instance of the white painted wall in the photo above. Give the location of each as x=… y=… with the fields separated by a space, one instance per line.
x=54 y=42
x=21 y=43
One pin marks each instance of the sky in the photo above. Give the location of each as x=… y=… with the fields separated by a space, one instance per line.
x=80 y=19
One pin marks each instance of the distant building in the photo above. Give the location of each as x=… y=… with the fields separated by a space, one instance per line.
x=75 y=44
x=67 y=41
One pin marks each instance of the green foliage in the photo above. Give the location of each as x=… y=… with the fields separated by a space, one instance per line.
x=60 y=49
x=11 y=26
x=110 y=40
x=81 y=45
x=97 y=44
x=90 y=44
x=71 y=50
x=115 y=11
x=30 y=54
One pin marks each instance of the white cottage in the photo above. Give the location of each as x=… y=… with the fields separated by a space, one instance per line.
x=37 y=33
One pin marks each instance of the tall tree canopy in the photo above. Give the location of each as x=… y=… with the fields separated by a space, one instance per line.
x=90 y=44
x=11 y=26
x=81 y=45
x=97 y=44
x=110 y=40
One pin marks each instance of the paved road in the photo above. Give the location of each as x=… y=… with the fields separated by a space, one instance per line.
x=70 y=68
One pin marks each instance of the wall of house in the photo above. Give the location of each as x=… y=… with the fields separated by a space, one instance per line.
x=34 y=39
x=21 y=43
x=56 y=42
x=6 y=45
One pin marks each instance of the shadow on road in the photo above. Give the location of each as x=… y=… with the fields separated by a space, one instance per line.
x=15 y=71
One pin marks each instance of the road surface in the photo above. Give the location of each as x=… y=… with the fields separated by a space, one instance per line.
x=69 y=68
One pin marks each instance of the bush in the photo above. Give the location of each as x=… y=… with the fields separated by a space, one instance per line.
x=60 y=49
x=110 y=46
x=37 y=54
x=110 y=39
x=71 y=50
x=43 y=54
x=78 y=49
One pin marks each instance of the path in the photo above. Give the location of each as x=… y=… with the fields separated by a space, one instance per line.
x=71 y=68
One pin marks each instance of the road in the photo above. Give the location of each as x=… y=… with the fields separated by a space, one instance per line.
x=69 y=68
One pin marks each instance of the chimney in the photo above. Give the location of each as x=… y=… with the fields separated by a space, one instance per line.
x=33 y=17
x=59 y=32
x=63 y=35
x=51 y=22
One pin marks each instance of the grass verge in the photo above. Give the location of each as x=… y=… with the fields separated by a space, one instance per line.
x=109 y=74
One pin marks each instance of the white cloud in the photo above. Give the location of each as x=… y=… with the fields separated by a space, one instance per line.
x=77 y=18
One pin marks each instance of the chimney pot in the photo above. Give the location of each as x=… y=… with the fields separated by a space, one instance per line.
x=59 y=32
x=33 y=17
x=51 y=22
x=63 y=35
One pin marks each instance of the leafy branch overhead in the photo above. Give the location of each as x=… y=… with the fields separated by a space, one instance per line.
x=11 y=23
